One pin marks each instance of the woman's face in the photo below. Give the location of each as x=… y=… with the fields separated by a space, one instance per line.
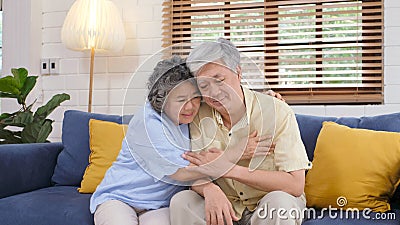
x=182 y=103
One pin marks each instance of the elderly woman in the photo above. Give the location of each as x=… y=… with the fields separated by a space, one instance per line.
x=135 y=188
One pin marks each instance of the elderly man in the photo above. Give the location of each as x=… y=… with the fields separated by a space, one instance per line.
x=263 y=190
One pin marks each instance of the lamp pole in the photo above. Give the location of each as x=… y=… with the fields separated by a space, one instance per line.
x=91 y=79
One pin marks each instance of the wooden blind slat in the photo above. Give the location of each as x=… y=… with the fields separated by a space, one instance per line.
x=179 y=13
x=269 y=19
x=269 y=3
x=285 y=41
x=236 y=7
x=252 y=24
x=309 y=66
x=256 y=29
x=309 y=79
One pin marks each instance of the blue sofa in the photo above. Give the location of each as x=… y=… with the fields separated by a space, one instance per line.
x=38 y=182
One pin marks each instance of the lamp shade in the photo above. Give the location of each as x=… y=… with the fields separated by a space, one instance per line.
x=93 y=24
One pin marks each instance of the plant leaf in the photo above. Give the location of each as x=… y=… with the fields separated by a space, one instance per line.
x=43 y=111
x=36 y=132
x=18 y=119
x=9 y=85
x=7 y=95
x=24 y=118
x=30 y=132
x=45 y=131
x=5 y=116
x=27 y=87
x=29 y=108
x=20 y=76
x=10 y=137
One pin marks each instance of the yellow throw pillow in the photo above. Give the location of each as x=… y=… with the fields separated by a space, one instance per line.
x=353 y=168
x=105 y=143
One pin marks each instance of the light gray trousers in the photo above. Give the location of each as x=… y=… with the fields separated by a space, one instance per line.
x=114 y=212
x=275 y=208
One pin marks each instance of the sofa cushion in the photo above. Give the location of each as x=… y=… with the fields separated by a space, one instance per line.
x=26 y=167
x=105 y=144
x=311 y=125
x=73 y=159
x=361 y=165
x=48 y=206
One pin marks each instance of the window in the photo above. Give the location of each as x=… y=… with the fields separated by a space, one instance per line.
x=312 y=52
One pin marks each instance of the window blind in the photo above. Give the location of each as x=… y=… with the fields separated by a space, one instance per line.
x=312 y=52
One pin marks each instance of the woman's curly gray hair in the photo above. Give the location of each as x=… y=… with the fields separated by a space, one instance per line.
x=166 y=75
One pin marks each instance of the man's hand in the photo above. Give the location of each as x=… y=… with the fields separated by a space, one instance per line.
x=257 y=146
x=217 y=206
x=274 y=94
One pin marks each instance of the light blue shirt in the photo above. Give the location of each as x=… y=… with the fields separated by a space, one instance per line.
x=151 y=150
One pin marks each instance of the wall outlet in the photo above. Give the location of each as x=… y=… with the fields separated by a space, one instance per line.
x=45 y=66
x=54 y=66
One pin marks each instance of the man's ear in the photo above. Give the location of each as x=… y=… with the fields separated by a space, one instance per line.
x=239 y=72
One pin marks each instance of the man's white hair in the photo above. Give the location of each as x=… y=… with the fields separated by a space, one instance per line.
x=222 y=51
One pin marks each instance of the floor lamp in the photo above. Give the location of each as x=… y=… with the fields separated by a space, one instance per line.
x=93 y=25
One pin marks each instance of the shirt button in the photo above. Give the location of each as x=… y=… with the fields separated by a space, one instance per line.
x=230 y=134
x=309 y=164
x=240 y=193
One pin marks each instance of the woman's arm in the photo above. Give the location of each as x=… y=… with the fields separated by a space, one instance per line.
x=183 y=174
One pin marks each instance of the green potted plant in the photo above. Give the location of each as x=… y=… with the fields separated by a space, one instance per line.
x=24 y=125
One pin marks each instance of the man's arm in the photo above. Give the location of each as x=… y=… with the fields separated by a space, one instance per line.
x=216 y=163
x=289 y=182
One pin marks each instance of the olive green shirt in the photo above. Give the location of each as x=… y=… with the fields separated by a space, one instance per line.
x=268 y=116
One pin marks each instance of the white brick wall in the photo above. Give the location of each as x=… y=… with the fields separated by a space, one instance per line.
x=113 y=71
x=142 y=20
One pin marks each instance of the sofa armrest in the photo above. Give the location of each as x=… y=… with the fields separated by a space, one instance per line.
x=27 y=167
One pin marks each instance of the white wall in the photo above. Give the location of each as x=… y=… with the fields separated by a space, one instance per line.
x=22 y=41
x=143 y=20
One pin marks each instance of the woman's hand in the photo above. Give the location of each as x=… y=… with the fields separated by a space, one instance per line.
x=217 y=163
x=255 y=146
x=204 y=157
x=214 y=162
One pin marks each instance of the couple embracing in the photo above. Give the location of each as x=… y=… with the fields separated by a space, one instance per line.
x=238 y=150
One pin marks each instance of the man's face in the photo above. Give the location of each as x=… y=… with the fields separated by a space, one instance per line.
x=220 y=87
